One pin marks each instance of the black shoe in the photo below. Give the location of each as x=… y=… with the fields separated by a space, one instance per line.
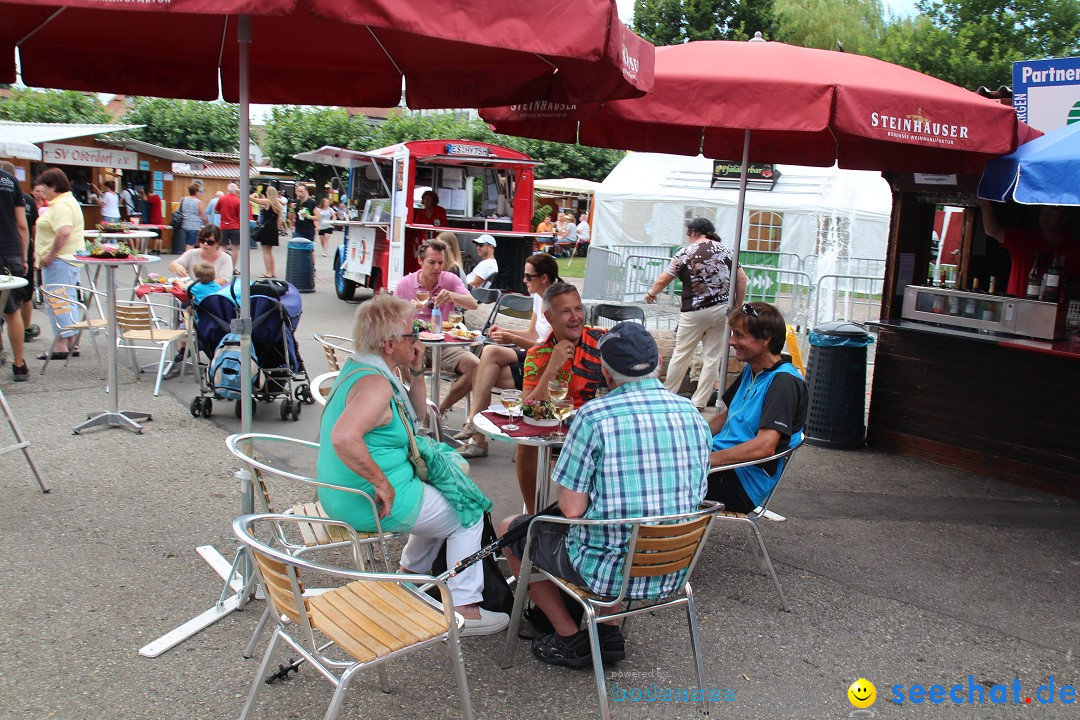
x=179 y=357
x=554 y=649
x=20 y=373
x=54 y=355
x=31 y=332
x=612 y=644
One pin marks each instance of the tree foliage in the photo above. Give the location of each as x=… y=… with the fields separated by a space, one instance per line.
x=55 y=106
x=974 y=42
x=670 y=22
x=858 y=24
x=292 y=129
x=186 y=124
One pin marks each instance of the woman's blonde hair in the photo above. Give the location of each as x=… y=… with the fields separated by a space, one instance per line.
x=275 y=201
x=380 y=319
x=453 y=252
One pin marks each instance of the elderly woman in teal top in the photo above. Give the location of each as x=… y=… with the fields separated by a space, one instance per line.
x=368 y=419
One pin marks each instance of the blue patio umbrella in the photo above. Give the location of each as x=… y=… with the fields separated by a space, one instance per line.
x=1045 y=171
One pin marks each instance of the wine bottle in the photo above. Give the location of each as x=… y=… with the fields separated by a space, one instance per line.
x=1052 y=281
x=1034 y=281
x=992 y=290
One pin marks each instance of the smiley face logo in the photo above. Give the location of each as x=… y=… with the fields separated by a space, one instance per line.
x=862 y=693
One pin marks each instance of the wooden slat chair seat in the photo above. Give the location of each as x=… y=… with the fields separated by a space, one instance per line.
x=257 y=451
x=750 y=519
x=657 y=546
x=373 y=618
x=59 y=303
x=140 y=330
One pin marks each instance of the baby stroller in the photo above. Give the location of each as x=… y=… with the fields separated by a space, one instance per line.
x=278 y=370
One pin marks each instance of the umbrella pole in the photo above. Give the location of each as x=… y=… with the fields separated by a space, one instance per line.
x=240 y=576
x=734 y=263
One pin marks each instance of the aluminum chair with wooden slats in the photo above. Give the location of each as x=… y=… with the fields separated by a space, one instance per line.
x=258 y=452
x=140 y=329
x=336 y=347
x=374 y=618
x=58 y=299
x=658 y=545
x=321 y=384
x=750 y=520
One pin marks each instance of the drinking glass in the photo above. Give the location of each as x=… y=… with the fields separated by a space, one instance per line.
x=456 y=316
x=511 y=400
x=562 y=410
x=557 y=389
x=422 y=295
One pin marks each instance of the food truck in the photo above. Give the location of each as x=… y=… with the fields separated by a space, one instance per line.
x=483 y=188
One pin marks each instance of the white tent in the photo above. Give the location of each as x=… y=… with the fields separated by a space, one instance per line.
x=647 y=199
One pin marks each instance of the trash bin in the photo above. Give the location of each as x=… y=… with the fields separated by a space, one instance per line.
x=300 y=264
x=836 y=380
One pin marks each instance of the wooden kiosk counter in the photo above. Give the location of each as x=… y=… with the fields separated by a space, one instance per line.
x=950 y=385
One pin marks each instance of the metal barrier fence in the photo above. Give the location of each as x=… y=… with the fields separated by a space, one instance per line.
x=625 y=273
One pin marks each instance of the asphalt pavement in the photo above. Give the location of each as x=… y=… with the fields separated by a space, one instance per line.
x=898 y=571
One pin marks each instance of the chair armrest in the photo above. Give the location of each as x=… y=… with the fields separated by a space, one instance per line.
x=760 y=461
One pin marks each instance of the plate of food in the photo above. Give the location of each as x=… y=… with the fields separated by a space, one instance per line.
x=106 y=251
x=539 y=413
x=431 y=337
x=462 y=334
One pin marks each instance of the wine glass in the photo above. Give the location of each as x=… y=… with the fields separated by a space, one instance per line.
x=456 y=316
x=562 y=410
x=422 y=295
x=557 y=389
x=511 y=400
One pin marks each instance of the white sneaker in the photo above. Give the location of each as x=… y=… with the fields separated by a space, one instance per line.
x=488 y=623
x=466 y=432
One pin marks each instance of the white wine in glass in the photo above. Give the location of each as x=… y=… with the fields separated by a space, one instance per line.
x=456 y=317
x=511 y=400
x=422 y=295
x=562 y=410
x=557 y=390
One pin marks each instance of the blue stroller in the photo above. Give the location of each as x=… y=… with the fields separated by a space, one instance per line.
x=278 y=370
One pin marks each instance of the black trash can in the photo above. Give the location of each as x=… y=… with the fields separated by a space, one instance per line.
x=836 y=380
x=300 y=265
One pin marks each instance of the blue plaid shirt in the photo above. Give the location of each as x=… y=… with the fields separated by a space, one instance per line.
x=638 y=451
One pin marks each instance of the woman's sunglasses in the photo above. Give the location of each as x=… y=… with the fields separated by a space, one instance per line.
x=748 y=309
x=207 y=241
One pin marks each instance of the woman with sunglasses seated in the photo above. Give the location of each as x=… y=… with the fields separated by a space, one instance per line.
x=207 y=250
x=368 y=432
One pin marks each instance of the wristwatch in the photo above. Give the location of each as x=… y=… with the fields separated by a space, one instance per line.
x=416 y=373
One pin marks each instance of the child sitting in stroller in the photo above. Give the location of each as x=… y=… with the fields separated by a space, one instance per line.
x=205 y=282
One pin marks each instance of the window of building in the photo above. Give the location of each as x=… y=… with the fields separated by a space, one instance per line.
x=763 y=233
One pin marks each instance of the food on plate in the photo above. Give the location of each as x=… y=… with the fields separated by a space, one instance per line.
x=463 y=334
x=430 y=336
x=108 y=250
x=108 y=227
x=157 y=279
x=538 y=409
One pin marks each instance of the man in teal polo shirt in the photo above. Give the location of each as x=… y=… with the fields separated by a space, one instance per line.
x=766 y=410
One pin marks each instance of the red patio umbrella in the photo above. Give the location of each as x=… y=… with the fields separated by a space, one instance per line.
x=771 y=102
x=331 y=52
x=803 y=106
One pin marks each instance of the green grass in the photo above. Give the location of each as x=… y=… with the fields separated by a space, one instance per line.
x=571 y=267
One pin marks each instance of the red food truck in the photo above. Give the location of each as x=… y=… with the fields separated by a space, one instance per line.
x=481 y=188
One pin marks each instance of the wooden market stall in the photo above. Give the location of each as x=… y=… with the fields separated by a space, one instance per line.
x=985 y=383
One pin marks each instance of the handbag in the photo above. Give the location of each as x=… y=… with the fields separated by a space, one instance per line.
x=177 y=218
x=497 y=596
x=418 y=462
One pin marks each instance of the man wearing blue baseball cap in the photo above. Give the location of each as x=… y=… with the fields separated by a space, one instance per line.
x=638 y=451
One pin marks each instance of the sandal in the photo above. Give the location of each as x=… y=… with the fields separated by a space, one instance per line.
x=554 y=649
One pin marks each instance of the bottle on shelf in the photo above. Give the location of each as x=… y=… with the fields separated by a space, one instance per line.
x=942 y=284
x=1034 y=281
x=1051 y=281
x=992 y=290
